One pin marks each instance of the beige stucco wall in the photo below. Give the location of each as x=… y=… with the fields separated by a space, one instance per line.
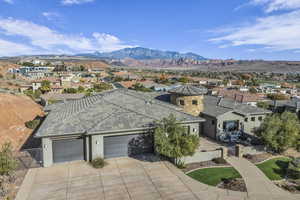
x=188 y=106
x=250 y=126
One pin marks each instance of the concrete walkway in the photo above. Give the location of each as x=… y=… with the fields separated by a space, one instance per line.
x=258 y=185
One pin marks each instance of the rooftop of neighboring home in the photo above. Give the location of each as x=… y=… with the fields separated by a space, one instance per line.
x=216 y=106
x=241 y=97
x=111 y=111
x=293 y=103
x=50 y=79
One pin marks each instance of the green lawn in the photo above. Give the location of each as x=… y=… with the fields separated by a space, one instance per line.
x=213 y=176
x=275 y=169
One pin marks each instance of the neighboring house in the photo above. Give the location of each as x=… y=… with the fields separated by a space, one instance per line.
x=269 y=88
x=241 y=97
x=280 y=106
x=226 y=116
x=36 y=72
x=36 y=84
x=111 y=124
x=223 y=116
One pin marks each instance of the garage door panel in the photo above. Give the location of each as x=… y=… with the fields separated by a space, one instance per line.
x=127 y=145
x=68 y=150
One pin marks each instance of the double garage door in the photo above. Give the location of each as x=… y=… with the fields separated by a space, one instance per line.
x=114 y=146
x=127 y=145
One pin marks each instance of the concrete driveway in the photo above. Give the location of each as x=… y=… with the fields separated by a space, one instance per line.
x=123 y=178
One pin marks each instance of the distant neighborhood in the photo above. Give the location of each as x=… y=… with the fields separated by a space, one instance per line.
x=96 y=110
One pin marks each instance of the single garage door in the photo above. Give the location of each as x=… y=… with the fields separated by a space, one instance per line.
x=127 y=145
x=68 y=150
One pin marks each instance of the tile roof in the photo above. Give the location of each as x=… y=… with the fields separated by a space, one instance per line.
x=215 y=106
x=189 y=90
x=242 y=97
x=115 y=110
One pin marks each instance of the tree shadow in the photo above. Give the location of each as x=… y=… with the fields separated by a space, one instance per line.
x=142 y=148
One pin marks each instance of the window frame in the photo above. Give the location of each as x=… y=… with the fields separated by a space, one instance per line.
x=194 y=102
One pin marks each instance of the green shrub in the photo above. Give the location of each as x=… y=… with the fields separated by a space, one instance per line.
x=293 y=170
x=7 y=162
x=33 y=124
x=180 y=164
x=219 y=161
x=98 y=163
x=70 y=90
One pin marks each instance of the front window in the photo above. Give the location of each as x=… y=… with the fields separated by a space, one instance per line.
x=195 y=102
x=253 y=119
x=231 y=125
x=181 y=102
x=260 y=118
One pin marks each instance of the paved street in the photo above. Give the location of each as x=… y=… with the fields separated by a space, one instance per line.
x=122 y=178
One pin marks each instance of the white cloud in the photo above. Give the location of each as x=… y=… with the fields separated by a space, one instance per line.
x=50 y=15
x=71 y=2
x=276 y=32
x=12 y=49
x=51 y=40
x=109 y=42
x=9 y=1
x=274 y=5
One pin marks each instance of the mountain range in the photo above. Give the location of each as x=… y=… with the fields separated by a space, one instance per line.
x=139 y=53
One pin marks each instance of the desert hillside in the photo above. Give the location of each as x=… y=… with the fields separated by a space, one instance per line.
x=14 y=112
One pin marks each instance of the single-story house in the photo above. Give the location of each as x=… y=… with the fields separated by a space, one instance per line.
x=111 y=124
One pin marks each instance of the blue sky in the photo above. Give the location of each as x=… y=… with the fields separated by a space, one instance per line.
x=240 y=29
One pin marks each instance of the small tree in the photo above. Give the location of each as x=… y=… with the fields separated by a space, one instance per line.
x=80 y=89
x=45 y=86
x=70 y=90
x=7 y=161
x=280 y=132
x=101 y=87
x=173 y=140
